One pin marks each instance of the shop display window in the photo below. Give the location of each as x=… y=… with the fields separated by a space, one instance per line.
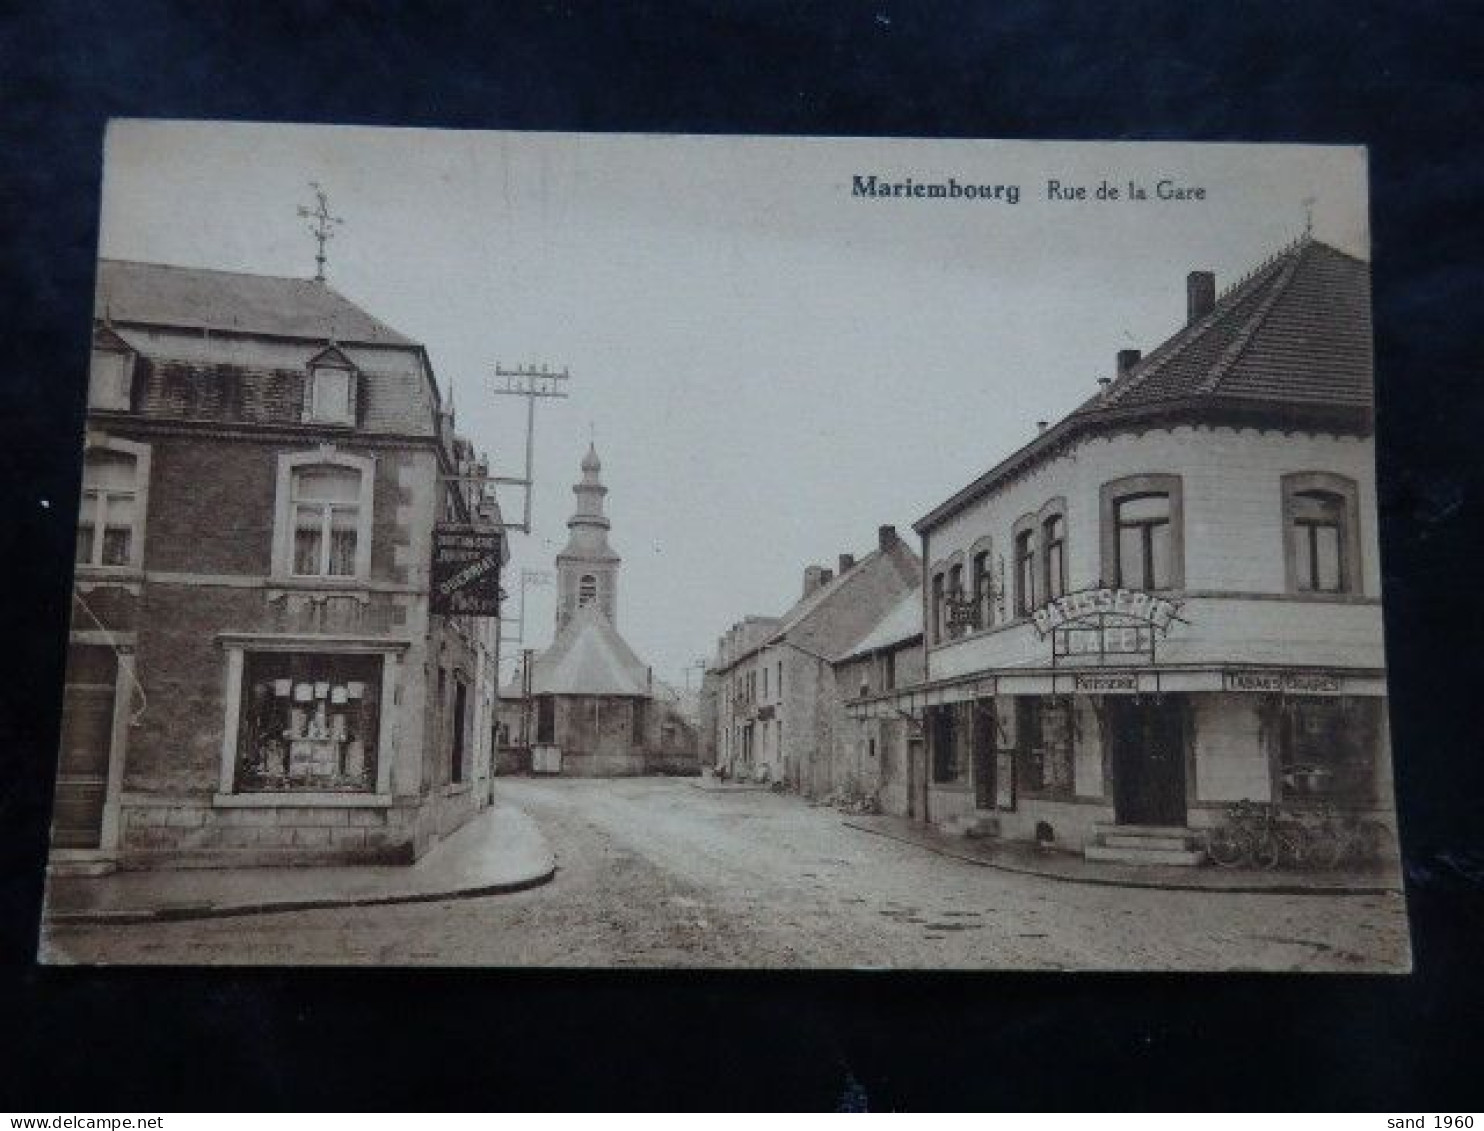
x=309 y=722
x=1328 y=748
x=1046 y=727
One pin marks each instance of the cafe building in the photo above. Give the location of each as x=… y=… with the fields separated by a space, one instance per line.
x=1170 y=600
x=258 y=671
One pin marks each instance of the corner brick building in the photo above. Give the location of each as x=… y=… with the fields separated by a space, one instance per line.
x=254 y=675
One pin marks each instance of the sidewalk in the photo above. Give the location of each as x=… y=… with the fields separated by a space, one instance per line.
x=1026 y=859
x=708 y=782
x=501 y=850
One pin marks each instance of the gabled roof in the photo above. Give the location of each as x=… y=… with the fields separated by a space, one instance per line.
x=1289 y=344
x=589 y=657
x=158 y=294
x=899 y=624
x=809 y=622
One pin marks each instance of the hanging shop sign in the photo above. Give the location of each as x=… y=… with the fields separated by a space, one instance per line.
x=466 y=571
x=1105 y=624
x=1284 y=683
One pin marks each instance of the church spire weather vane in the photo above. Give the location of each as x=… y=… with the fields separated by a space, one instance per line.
x=321 y=226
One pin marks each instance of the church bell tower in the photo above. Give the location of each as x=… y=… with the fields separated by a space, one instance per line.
x=587 y=569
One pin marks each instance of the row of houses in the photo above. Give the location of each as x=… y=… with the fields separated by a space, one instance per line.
x=255 y=672
x=1167 y=601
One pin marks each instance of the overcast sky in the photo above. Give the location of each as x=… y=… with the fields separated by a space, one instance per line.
x=771 y=367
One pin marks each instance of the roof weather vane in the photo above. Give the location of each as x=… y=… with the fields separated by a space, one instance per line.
x=321 y=227
x=1309 y=202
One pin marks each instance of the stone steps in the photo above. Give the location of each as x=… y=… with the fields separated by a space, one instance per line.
x=1146 y=844
x=974 y=825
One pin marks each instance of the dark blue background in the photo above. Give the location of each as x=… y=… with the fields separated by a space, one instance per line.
x=1401 y=78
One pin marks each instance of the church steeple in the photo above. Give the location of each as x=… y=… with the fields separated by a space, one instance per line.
x=587 y=569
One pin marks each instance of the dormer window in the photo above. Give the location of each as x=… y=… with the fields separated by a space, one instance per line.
x=111 y=375
x=330 y=395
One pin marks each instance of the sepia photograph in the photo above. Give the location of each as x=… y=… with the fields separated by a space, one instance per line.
x=504 y=549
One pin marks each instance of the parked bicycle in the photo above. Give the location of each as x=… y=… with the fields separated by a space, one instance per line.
x=1255 y=834
x=1339 y=838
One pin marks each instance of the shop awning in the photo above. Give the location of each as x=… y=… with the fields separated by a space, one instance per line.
x=1238 y=679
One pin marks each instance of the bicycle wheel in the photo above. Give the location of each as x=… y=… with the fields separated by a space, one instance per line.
x=1225 y=847
x=1293 y=846
x=1266 y=851
x=1325 y=849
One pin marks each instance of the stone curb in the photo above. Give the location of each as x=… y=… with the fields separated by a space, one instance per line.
x=1121 y=882
x=183 y=912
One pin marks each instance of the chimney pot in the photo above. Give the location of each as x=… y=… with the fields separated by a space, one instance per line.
x=846 y=562
x=1041 y=426
x=1200 y=295
x=886 y=537
x=1127 y=359
x=825 y=577
x=813 y=578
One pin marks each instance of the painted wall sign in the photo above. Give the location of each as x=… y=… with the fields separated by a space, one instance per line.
x=466 y=571
x=1285 y=683
x=1105 y=623
x=1099 y=684
x=1158 y=613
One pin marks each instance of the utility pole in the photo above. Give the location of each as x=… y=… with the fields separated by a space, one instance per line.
x=534 y=383
x=321 y=227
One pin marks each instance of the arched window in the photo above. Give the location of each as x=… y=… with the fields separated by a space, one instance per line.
x=1143 y=544
x=587 y=589
x=1025 y=566
x=110 y=519
x=323 y=528
x=1319 y=535
x=326 y=503
x=105 y=526
x=983 y=582
x=1321 y=520
x=1054 y=555
x=937 y=609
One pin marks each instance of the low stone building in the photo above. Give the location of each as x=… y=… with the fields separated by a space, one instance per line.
x=780 y=705
x=254 y=673
x=879 y=751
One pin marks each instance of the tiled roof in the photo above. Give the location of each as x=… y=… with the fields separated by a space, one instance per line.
x=195 y=297
x=1289 y=343
x=898 y=624
x=1296 y=331
x=589 y=657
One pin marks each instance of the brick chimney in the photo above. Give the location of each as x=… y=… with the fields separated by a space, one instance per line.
x=886 y=537
x=1200 y=295
x=847 y=562
x=813 y=578
x=1127 y=359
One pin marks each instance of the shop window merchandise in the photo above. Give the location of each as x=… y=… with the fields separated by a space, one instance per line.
x=309 y=722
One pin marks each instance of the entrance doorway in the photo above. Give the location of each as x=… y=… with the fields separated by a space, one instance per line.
x=1147 y=744
x=86 y=747
x=917 y=780
x=984 y=754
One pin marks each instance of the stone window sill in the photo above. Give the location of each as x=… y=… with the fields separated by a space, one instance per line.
x=290 y=800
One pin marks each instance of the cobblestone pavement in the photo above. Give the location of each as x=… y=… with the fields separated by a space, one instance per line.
x=655 y=872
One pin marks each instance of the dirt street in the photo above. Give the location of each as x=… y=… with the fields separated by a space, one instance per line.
x=658 y=872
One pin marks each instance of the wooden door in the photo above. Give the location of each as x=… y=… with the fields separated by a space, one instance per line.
x=86 y=744
x=1148 y=756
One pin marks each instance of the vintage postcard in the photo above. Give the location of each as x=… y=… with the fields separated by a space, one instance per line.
x=504 y=549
